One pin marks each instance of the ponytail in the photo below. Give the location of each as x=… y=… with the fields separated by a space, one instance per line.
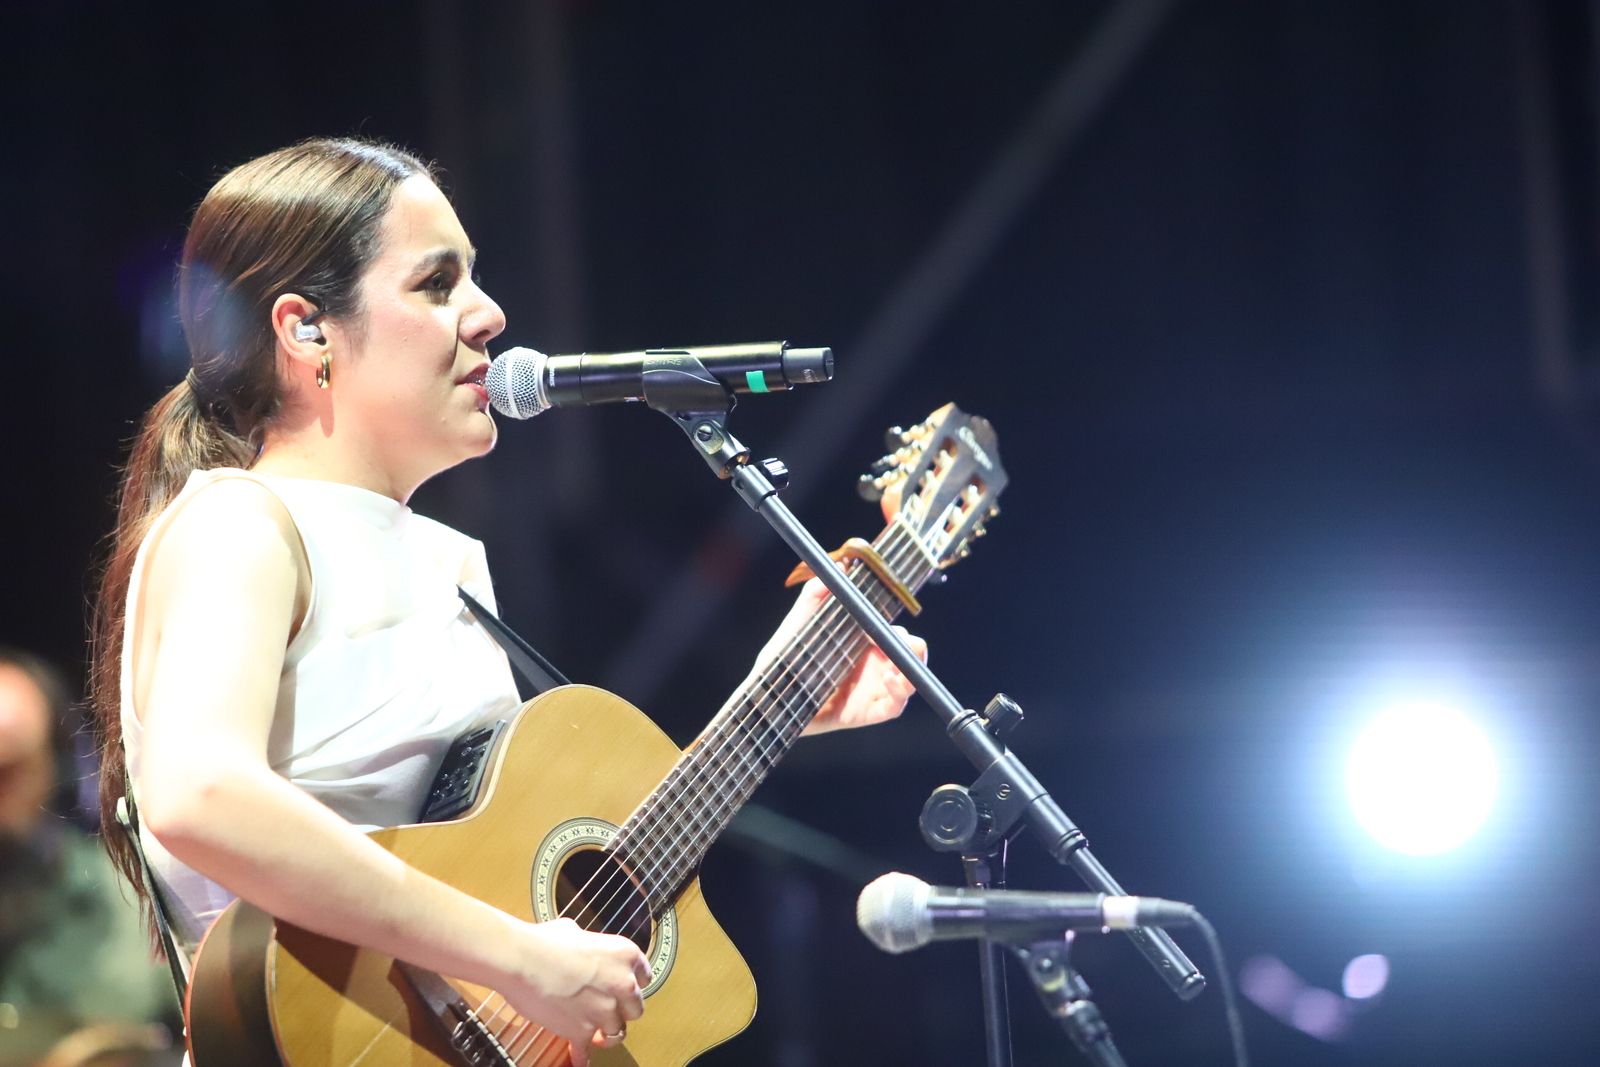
x=178 y=437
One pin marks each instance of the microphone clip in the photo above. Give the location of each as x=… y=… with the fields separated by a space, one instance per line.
x=708 y=432
x=1065 y=995
x=680 y=387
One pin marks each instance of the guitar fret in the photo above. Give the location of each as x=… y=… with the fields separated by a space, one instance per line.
x=670 y=831
x=728 y=802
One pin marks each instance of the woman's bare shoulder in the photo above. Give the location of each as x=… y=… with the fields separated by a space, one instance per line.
x=234 y=534
x=225 y=579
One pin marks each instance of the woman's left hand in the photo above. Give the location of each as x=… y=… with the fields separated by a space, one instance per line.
x=874 y=691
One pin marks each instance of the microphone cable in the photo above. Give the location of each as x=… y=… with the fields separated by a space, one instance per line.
x=1230 y=1000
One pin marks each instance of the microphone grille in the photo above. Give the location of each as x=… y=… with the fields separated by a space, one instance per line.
x=893 y=912
x=516 y=383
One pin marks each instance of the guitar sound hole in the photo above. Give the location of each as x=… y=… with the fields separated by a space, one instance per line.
x=596 y=892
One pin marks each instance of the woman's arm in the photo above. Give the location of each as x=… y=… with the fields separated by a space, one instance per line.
x=220 y=597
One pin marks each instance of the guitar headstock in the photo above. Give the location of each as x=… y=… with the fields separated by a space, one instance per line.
x=942 y=478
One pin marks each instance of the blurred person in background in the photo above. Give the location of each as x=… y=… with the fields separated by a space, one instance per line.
x=78 y=981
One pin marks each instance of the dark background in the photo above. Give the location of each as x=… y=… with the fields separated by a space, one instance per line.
x=1284 y=314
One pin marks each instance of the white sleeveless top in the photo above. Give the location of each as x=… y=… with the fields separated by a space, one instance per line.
x=387 y=669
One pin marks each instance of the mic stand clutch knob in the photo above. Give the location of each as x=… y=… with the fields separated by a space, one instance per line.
x=952 y=821
x=777 y=473
x=1002 y=715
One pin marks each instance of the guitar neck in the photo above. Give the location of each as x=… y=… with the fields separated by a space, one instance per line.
x=667 y=836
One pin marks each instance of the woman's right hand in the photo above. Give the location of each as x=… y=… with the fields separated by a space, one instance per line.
x=583 y=986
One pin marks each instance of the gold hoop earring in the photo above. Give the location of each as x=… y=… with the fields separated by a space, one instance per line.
x=325 y=372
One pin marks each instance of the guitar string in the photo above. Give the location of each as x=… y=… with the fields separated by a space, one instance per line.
x=730 y=738
x=609 y=912
x=783 y=731
x=711 y=757
x=738 y=718
x=738 y=730
x=800 y=668
x=729 y=730
x=817 y=625
x=793 y=719
x=606 y=924
x=731 y=721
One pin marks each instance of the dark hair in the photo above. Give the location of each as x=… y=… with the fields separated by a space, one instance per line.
x=63 y=717
x=306 y=220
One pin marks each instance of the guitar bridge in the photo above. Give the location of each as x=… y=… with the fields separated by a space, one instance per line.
x=468 y=1036
x=477 y=1046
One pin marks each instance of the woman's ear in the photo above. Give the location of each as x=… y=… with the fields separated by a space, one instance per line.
x=301 y=340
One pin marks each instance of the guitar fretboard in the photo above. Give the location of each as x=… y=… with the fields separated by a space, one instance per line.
x=667 y=836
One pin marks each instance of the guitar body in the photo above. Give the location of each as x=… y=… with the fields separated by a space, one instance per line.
x=577 y=758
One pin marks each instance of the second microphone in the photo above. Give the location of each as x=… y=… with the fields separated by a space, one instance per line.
x=898 y=913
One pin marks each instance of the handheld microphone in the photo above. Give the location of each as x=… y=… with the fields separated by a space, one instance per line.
x=899 y=913
x=522 y=383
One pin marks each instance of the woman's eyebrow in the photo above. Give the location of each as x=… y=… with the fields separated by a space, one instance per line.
x=441 y=257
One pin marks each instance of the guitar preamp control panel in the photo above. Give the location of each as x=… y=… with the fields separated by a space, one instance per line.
x=460 y=779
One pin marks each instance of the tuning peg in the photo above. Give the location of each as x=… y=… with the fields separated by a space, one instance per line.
x=883 y=465
x=894 y=437
x=994 y=512
x=979 y=531
x=869 y=489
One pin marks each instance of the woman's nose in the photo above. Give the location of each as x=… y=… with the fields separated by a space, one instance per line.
x=484 y=322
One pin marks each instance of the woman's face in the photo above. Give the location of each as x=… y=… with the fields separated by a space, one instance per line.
x=412 y=384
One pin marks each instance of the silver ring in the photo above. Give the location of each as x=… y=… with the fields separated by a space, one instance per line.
x=618 y=1036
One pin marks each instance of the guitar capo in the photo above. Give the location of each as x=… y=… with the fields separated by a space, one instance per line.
x=859 y=549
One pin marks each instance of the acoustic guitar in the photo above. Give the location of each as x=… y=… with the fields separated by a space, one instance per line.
x=610 y=833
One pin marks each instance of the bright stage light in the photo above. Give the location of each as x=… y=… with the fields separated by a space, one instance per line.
x=1421 y=778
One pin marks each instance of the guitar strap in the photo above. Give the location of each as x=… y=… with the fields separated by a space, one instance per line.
x=128 y=819
x=537 y=671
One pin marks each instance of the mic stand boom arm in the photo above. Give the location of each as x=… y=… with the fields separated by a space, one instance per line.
x=699 y=404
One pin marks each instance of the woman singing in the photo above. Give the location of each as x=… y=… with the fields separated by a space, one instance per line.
x=280 y=651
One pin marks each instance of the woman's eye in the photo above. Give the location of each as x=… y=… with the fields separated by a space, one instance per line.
x=440 y=283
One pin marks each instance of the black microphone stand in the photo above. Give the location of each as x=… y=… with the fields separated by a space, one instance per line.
x=952 y=821
x=1006 y=795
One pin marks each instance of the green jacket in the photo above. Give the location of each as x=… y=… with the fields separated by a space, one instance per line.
x=73 y=950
